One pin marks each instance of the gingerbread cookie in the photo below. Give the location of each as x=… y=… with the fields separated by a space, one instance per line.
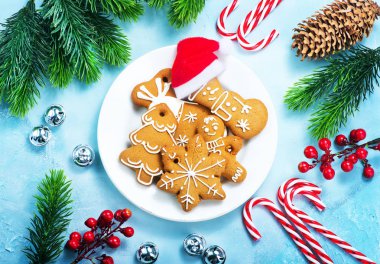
x=146 y=165
x=192 y=173
x=159 y=123
x=212 y=128
x=244 y=117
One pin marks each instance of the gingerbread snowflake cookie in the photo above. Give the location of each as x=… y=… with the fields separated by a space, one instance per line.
x=244 y=117
x=192 y=174
x=212 y=128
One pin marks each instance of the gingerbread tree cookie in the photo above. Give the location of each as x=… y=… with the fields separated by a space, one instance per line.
x=192 y=173
x=212 y=128
x=244 y=117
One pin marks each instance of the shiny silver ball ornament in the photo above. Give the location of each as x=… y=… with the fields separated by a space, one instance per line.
x=83 y=155
x=55 y=115
x=147 y=253
x=214 y=255
x=40 y=136
x=194 y=245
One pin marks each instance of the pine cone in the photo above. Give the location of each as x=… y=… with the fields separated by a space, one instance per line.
x=336 y=27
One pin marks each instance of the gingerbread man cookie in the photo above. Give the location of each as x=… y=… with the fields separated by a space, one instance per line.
x=192 y=173
x=212 y=128
x=244 y=117
x=146 y=165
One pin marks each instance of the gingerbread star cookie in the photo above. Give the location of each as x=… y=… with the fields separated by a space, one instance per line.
x=192 y=173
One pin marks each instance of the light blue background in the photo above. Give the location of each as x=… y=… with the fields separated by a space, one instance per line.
x=352 y=202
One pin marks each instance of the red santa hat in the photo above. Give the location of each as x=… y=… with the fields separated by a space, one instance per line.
x=195 y=64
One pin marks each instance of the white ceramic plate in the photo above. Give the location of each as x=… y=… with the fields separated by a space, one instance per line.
x=118 y=117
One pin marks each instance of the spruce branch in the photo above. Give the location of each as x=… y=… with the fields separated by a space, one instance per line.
x=67 y=20
x=183 y=12
x=23 y=53
x=157 y=3
x=123 y=9
x=52 y=219
x=341 y=85
x=113 y=44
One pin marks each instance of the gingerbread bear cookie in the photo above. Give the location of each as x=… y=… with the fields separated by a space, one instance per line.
x=192 y=173
x=244 y=117
x=212 y=128
x=158 y=90
x=146 y=165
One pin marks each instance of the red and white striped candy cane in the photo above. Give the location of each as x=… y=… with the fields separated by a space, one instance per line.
x=279 y=215
x=321 y=229
x=291 y=211
x=221 y=22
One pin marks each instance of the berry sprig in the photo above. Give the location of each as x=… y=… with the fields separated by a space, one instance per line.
x=102 y=233
x=352 y=153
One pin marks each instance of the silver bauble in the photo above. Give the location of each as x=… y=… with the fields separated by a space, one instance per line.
x=40 y=136
x=55 y=115
x=147 y=253
x=83 y=155
x=214 y=255
x=194 y=244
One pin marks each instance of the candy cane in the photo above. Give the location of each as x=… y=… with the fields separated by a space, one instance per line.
x=220 y=25
x=320 y=228
x=279 y=215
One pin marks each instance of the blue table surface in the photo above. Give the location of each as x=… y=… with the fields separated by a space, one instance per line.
x=353 y=204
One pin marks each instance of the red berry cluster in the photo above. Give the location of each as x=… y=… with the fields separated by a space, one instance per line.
x=102 y=232
x=352 y=153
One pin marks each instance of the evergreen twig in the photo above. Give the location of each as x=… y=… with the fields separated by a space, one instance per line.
x=157 y=3
x=183 y=12
x=341 y=86
x=52 y=219
x=123 y=9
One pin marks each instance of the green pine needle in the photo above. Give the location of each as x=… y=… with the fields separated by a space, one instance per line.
x=341 y=86
x=183 y=12
x=51 y=221
x=113 y=44
x=126 y=10
x=23 y=55
x=157 y=3
x=67 y=20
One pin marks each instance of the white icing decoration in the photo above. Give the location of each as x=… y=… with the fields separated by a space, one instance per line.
x=208 y=88
x=228 y=104
x=148 y=120
x=182 y=140
x=214 y=91
x=212 y=98
x=204 y=93
x=172 y=156
x=190 y=117
x=143 y=167
x=245 y=108
x=214 y=144
x=233 y=109
x=218 y=109
x=243 y=124
x=237 y=174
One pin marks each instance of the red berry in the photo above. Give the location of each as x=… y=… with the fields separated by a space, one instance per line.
x=353 y=158
x=347 y=165
x=325 y=158
x=118 y=215
x=324 y=166
x=353 y=135
x=368 y=172
x=91 y=222
x=126 y=214
x=89 y=237
x=303 y=167
x=311 y=152
x=113 y=242
x=328 y=173
x=341 y=140
x=106 y=216
x=377 y=147
x=107 y=260
x=361 y=153
x=128 y=231
x=73 y=244
x=360 y=134
x=324 y=144
x=75 y=236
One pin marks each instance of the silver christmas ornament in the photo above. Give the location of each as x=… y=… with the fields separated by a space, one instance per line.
x=147 y=253
x=214 y=255
x=194 y=244
x=83 y=155
x=55 y=115
x=40 y=136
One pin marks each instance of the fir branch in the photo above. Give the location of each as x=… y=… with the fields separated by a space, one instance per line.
x=123 y=9
x=113 y=44
x=67 y=20
x=344 y=83
x=183 y=12
x=157 y=3
x=53 y=207
x=23 y=53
